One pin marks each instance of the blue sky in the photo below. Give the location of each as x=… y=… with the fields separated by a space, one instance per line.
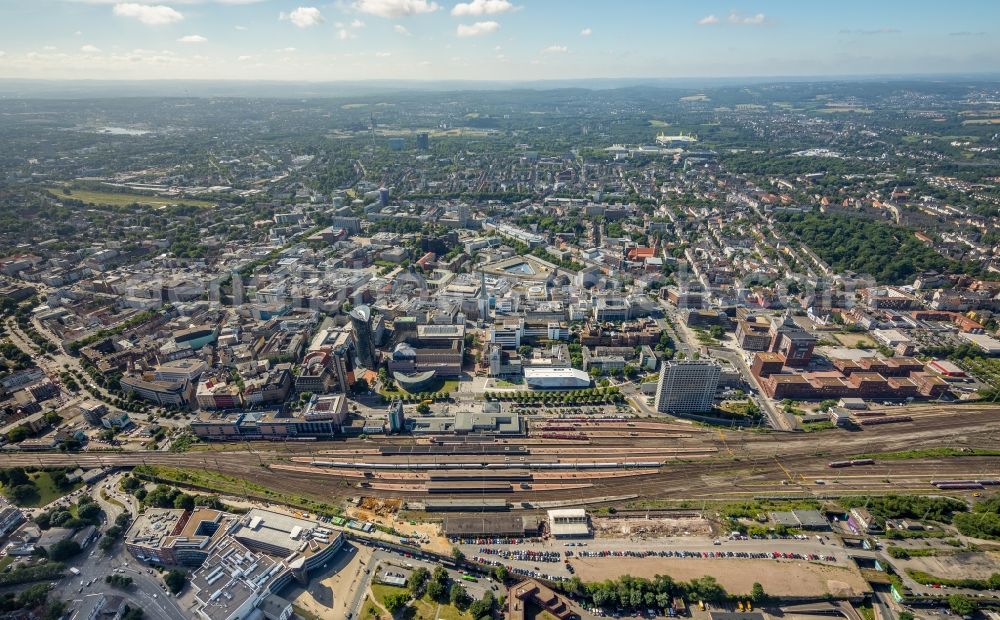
x=492 y=39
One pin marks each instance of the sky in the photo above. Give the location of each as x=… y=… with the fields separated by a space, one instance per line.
x=311 y=40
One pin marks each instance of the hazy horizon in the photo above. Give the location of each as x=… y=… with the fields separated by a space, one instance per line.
x=15 y=88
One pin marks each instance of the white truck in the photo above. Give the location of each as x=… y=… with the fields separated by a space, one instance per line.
x=74 y=570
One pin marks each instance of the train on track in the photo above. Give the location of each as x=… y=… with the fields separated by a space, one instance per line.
x=851 y=463
x=567 y=436
x=889 y=419
x=957 y=485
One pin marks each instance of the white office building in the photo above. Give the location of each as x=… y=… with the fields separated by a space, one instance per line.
x=687 y=386
x=556 y=378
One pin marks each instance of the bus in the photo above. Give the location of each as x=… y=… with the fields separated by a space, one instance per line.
x=469 y=578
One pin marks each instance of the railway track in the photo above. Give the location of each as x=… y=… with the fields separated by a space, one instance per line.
x=727 y=471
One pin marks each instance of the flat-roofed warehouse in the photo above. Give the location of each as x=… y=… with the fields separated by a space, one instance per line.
x=502 y=525
x=569 y=523
x=805 y=519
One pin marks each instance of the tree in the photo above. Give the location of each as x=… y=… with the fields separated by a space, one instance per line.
x=24 y=493
x=423 y=408
x=89 y=512
x=18 y=434
x=961 y=604
x=905 y=615
x=63 y=550
x=456 y=554
x=42 y=520
x=118 y=581
x=107 y=542
x=483 y=608
x=757 y=594
x=417 y=582
x=395 y=601
x=55 y=611
x=60 y=480
x=707 y=589
x=437 y=591
x=500 y=574
x=184 y=501
x=175 y=580
x=14 y=476
x=132 y=613
x=458 y=596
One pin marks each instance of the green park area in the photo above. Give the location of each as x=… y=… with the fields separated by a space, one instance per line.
x=122 y=199
x=35 y=489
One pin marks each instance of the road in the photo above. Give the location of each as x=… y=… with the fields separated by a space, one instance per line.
x=397 y=563
x=777 y=417
x=59 y=360
x=686 y=343
x=362 y=564
x=83 y=592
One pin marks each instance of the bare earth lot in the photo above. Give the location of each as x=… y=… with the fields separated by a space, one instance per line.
x=783 y=578
x=650 y=527
x=958 y=566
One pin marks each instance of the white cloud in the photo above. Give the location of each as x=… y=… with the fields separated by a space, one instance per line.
x=401 y=29
x=241 y=28
x=708 y=20
x=303 y=17
x=392 y=9
x=192 y=38
x=357 y=24
x=244 y=58
x=230 y=2
x=482 y=7
x=90 y=49
x=586 y=32
x=344 y=34
x=736 y=17
x=152 y=15
x=2 y=53
x=477 y=29
x=383 y=54
x=285 y=50
x=555 y=49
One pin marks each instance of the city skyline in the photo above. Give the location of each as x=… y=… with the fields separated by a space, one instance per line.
x=486 y=40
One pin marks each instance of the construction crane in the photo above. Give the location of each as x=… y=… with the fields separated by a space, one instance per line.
x=722 y=436
x=787 y=473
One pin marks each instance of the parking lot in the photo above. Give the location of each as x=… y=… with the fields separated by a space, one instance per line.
x=341 y=587
x=603 y=558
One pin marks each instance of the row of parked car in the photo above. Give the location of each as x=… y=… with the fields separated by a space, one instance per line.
x=523 y=555
x=757 y=555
